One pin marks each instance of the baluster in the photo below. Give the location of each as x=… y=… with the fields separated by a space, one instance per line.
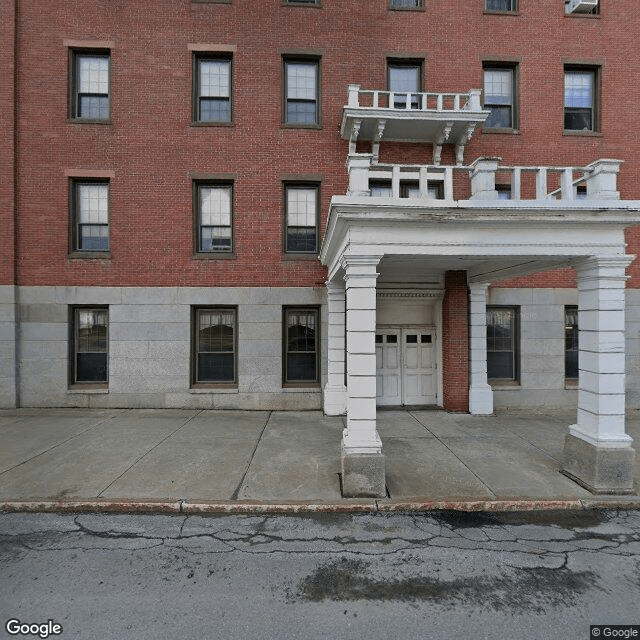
x=423 y=182
x=456 y=102
x=448 y=183
x=516 y=184
x=566 y=185
x=439 y=102
x=395 y=181
x=541 y=183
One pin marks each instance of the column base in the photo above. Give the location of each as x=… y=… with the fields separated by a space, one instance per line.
x=363 y=475
x=481 y=400
x=599 y=469
x=335 y=400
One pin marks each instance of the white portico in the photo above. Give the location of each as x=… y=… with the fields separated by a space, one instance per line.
x=421 y=236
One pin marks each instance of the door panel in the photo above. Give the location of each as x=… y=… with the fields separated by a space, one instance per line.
x=388 y=374
x=406 y=371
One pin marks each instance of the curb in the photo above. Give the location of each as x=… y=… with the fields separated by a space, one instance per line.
x=229 y=507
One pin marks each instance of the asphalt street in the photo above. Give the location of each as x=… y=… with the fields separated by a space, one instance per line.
x=543 y=574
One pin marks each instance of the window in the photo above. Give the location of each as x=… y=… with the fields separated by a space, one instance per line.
x=501 y=5
x=301 y=340
x=406 y=4
x=499 y=97
x=90 y=215
x=404 y=79
x=301 y=90
x=301 y=211
x=502 y=341
x=213 y=217
x=212 y=90
x=408 y=189
x=214 y=345
x=504 y=191
x=582 y=8
x=580 y=99
x=89 y=344
x=90 y=86
x=301 y=1
x=571 y=342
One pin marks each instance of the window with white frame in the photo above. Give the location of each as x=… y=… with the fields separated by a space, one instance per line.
x=301 y=343
x=499 y=96
x=89 y=344
x=90 y=84
x=501 y=5
x=502 y=343
x=214 y=345
x=580 y=85
x=301 y=212
x=404 y=79
x=212 y=92
x=213 y=219
x=90 y=216
x=301 y=92
x=406 y=4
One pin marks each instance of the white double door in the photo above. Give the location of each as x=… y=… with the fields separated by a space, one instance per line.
x=406 y=366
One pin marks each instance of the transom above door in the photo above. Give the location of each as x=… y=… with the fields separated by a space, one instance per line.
x=406 y=366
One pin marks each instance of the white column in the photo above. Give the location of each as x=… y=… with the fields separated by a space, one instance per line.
x=598 y=451
x=361 y=436
x=335 y=391
x=480 y=393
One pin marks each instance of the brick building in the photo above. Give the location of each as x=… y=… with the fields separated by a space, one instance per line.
x=305 y=204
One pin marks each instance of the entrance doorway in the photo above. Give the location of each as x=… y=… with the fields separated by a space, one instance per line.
x=406 y=366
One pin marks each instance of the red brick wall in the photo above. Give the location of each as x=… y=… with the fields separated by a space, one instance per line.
x=152 y=147
x=455 y=342
x=7 y=76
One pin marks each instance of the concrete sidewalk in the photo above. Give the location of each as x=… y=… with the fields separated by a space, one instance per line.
x=190 y=460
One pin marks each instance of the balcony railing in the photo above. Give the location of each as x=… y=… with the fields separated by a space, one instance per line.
x=436 y=118
x=436 y=102
x=485 y=179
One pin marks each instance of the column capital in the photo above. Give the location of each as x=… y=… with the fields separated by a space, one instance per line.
x=602 y=267
x=334 y=287
x=360 y=267
x=478 y=288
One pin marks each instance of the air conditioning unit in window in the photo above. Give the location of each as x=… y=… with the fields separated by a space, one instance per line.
x=581 y=6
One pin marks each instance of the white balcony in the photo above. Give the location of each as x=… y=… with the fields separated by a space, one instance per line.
x=485 y=182
x=436 y=118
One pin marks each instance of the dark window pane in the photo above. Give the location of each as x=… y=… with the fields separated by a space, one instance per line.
x=93 y=107
x=301 y=239
x=406 y=4
x=499 y=117
x=91 y=367
x=218 y=367
x=571 y=343
x=378 y=338
x=215 y=110
x=299 y=112
x=301 y=366
x=500 y=5
x=500 y=364
x=578 y=119
x=425 y=339
x=392 y=339
x=412 y=339
x=94 y=237
x=215 y=239
x=301 y=338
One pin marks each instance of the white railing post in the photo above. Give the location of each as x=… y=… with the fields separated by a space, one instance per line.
x=602 y=182
x=473 y=103
x=541 y=183
x=516 y=184
x=353 y=100
x=483 y=179
x=358 y=168
x=423 y=182
x=448 y=183
x=566 y=184
x=395 y=181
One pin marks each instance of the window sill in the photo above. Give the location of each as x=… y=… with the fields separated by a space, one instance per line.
x=406 y=9
x=301 y=387
x=90 y=389
x=287 y=257
x=508 y=131
x=90 y=255
x=502 y=385
x=591 y=16
x=215 y=255
x=488 y=12
x=587 y=134
x=221 y=388
x=88 y=121
x=212 y=124
x=308 y=5
x=286 y=125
